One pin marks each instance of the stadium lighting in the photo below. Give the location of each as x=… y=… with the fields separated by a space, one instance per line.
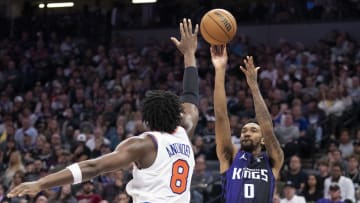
x=57 y=5
x=143 y=1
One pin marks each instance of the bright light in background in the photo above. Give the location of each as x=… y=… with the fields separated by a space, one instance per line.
x=57 y=5
x=143 y=1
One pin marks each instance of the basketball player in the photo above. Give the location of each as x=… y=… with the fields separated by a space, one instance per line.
x=163 y=157
x=249 y=174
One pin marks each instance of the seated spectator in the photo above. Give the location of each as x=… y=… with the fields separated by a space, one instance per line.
x=357 y=147
x=346 y=146
x=295 y=174
x=202 y=179
x=15 y=165
x=290 y=194
x=353 y=171
x=122 y=197
x=64 y=195
x=87 y=193
x=323 y=169
x=334 y=195
x=346 y=185
x=288 y=135
x=312 y=192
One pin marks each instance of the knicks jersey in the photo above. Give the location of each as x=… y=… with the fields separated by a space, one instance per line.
x=249 y=179
x=167 y=180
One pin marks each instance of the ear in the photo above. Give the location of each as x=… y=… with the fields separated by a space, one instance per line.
x=262 y=141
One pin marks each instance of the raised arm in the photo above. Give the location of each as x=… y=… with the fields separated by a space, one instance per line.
x=190 y=96
x=263 y=116
x=131 y=150
x=224 y=146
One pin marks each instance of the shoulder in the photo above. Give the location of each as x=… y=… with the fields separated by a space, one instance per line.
x=138 y=143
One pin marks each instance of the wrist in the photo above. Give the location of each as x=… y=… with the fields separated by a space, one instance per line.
x=189 y=54
x=40 y=183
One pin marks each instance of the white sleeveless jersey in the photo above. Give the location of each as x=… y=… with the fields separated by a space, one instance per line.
x=168 y=179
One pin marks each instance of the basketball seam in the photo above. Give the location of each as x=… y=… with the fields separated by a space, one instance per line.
x=219 y=26
x=204 y=27
x=230 y=19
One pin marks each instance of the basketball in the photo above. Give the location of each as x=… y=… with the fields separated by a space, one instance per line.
x=218 y=26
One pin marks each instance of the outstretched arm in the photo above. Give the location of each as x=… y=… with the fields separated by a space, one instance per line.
x=224 y=146
x=263 y=116
x=131 y=150
x=190 y=96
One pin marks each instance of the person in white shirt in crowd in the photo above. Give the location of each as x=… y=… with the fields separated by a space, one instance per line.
x=346 y=146
x=95 y=142
x=346 y=185
x=290 y=194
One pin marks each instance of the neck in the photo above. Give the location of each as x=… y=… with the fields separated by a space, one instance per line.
x=295 y=171
x=335 y=179
x=257 y=151
x=353 y=171
x=312 y=188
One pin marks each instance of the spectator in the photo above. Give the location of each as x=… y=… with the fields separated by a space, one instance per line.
x=324 y=173
x=288 y=135
x=122 y=197
x=202 y=179
x=312 y=191
x=346 y=185
x=64 y=195
x=295 y=175
x=353 y=171
x=334 y=195
x=346 y=146
x=15 y=165
x=87 y=193
x=290 y=194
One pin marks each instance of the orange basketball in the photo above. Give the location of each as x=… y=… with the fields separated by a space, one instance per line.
x=218 y=26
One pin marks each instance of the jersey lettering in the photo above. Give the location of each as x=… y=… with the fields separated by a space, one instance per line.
x=178 y=148
x=248 y=173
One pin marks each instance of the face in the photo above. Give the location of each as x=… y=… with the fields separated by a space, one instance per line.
x=311 y=181
x=123 y=198
x=335 y=194
x=336 y=172
x=251 y=137
x=353 y=163
x=295 y=163
x=289 y=192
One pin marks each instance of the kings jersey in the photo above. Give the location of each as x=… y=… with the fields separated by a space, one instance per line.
x=249 y=179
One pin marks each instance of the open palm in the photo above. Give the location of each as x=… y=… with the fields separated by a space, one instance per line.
x=251 y=72
x=219 y=56
x=28 y=188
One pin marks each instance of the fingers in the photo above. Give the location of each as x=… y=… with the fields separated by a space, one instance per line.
x=243 y=69
x=186 y=27
x=175 y=41
x=182 y=32
x=189 y=27
x=212 y=51
x=196 y=30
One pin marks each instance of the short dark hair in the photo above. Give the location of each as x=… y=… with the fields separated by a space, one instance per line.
x=162 y=110
x=250 y=120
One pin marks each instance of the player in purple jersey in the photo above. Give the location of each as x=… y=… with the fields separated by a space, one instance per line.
x=249 y=174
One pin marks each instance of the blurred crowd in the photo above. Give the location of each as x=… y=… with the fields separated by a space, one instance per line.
x=65 y=99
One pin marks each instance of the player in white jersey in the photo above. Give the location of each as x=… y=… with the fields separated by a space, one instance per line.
x=163 y=157
x=168 y=179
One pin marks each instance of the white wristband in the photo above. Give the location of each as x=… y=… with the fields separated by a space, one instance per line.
x=76 y=173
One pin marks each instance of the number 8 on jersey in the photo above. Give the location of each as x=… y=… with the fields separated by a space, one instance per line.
x=180 y=172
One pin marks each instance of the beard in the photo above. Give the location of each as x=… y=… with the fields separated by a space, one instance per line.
x=248 y=145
